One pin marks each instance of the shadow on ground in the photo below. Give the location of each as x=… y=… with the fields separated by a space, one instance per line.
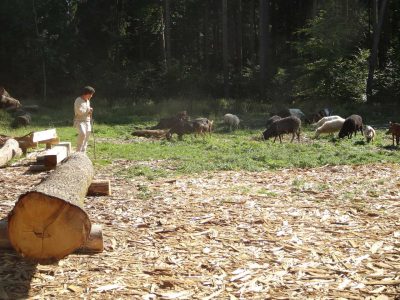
x=16 y=273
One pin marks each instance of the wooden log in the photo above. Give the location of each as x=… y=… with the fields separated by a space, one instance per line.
x=37 y=168
x=7 y=101
x=10 y=150
x=52 y=157
x=3 y=139
x=22 y=120
x=50 y=143
x=94 y=243
x=99 y=188
x=26 y=142
x=49 y=222
x=44 y=135
x=150 y=133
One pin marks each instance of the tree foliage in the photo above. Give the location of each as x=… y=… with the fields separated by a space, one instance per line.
x=317 y=49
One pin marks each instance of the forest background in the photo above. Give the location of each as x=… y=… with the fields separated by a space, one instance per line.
x=238 y=55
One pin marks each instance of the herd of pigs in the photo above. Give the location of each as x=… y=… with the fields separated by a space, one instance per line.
x=287 y=121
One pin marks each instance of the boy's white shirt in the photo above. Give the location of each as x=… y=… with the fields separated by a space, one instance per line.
x=82 y=110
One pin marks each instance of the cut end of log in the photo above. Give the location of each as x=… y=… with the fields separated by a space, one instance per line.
x=94 y=243
x=45 y=228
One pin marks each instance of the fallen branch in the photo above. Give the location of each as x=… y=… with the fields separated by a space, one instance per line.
x=150 y=133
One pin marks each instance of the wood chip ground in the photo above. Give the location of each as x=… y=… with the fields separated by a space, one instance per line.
x=327 y=233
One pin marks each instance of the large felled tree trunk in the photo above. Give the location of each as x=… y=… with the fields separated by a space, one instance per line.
x=10 y=150
x=49 y=222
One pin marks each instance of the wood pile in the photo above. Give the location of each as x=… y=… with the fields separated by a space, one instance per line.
x=6 y=101
x=52 y=157
x=31 y=140
x=21 y=114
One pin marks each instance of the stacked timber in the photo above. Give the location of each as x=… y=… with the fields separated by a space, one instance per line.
x=52 y=157
x=32 y=139
x=49 y=222
x=6 y=101
x=22 y=117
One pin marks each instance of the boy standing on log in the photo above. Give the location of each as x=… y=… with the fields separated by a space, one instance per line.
x=83 y=116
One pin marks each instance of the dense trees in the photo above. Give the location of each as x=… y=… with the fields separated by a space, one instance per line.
x=266 y=50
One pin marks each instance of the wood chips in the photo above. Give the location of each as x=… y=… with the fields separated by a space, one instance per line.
x=331 y=232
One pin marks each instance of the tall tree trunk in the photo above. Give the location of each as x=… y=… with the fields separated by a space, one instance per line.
x=163 y=42
x=384 y=44
x=42 y=51
x=239 y=38
x=167 y=34
x=375 y=44
x=206 y=36
x=252 y=33
x=264 y=44
x=314 y=8
x=225 y=53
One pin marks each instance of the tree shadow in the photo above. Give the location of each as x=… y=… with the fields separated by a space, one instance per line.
x=360 y=143
x=390 y=147
x=16 y=273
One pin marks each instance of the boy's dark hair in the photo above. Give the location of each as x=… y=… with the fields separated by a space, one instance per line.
x=88 y=90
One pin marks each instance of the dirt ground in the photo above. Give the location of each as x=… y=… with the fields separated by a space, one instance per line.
x=327 y=233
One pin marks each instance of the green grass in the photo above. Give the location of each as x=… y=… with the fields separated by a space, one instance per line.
x=239 y=150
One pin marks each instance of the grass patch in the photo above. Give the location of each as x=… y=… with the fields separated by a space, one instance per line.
x=239 y=150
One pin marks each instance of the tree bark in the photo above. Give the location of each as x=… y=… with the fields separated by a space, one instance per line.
x=9 y=151
x=42 y=51
x=375 y=44
x=49 y=222
x=239 y=38
x=167 y=34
